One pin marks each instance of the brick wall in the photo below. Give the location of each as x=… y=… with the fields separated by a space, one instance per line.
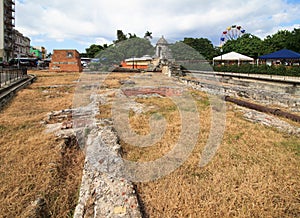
x=65 y=61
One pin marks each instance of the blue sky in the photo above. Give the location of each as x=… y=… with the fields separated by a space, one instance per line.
x=76 y=24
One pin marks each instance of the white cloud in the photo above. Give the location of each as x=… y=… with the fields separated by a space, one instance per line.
x=96 y=21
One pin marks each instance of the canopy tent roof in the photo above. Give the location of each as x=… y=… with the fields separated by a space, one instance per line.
x=233 y=56
x=281 y=54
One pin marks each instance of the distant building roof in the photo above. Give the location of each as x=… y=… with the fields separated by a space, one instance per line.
x=162 y=41
x=281 y=54
x=144 y=58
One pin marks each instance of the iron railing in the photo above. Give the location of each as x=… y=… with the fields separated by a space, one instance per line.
x=11 y=75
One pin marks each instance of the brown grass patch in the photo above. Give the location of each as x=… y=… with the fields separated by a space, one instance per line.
x=104 y=111
x=113 y=79
x=255 y=172
x=140 y=124
x=34 y=164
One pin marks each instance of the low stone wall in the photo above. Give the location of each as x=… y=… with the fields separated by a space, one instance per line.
x=269 y=93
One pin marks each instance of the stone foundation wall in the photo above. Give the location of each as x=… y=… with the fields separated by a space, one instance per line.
x=281 y=94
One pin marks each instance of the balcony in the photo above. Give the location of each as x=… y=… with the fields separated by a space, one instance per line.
x=8 y=47
x=9 y=24
x=8 y=35
x=10 y=14
x=9 y=2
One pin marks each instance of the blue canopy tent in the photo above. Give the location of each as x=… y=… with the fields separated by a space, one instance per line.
x=283 y=56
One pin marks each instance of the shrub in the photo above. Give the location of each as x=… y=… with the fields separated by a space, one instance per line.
x=260 y=69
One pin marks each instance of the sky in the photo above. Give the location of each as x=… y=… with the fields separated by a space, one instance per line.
x=77 y=24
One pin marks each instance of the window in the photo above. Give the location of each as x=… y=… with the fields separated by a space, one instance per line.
x=69 y=54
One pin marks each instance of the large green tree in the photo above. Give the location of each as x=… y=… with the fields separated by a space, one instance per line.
x=293 y=42
x=247 y=44
x=134 y=47
x=201 y=45
x=93 y=50
x=277 y=41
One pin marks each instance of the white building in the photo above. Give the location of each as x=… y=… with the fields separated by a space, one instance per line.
x=7 y=24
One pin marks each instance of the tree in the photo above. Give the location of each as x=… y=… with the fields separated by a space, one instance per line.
x=148 y=35
x=188 y=57
x=247 y=44
x=83 y=55
x=202 y=45
x=279 y=40
x=134 y=47
x=293 y=41
x=120 y=36
x=132 y=36
x=49 y=55
x=93 y=50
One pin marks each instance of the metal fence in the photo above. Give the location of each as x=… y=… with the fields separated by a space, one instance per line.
x=10 y=75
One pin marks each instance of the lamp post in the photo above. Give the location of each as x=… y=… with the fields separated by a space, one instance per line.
x=221 y=54
x=133 y=62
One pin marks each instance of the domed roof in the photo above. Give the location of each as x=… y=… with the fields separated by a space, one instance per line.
x=162 y=41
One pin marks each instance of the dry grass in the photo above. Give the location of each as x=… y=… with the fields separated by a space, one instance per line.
x=255 y=172
x=140 y=124
x=34 y=164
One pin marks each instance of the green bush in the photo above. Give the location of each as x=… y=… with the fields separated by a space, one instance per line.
x=260 y=69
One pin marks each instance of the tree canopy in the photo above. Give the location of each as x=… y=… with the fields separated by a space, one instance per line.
x=134 y=47
x=253 y=46
x=202 y=45
x=247 y=44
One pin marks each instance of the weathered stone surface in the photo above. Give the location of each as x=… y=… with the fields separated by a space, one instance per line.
x=265 y=93
x=163 y=91
x=271 y=121
x=103 y=192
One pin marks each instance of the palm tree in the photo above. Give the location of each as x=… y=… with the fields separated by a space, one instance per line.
x=148 y=35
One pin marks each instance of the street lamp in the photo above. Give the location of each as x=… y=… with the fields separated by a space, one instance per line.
x=133 y=62
x=221 y=54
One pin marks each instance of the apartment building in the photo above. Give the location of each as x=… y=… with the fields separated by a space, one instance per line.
x=7 y=24
x=22 y=45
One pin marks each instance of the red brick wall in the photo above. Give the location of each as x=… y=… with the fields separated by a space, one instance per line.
x=65 y=61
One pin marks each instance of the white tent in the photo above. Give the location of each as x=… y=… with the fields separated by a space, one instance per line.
x=233 y=56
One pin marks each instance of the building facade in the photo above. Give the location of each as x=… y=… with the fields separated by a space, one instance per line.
x=7 y=24
x=162 y=49
x=22 y=45
x=137 y=63
x=65 y=61
x=40 y=51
